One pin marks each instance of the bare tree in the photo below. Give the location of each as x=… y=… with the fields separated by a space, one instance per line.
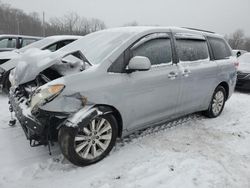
x=15 y=21
x=236 y=40
x=247 y=44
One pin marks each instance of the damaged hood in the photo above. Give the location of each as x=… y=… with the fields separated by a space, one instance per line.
x=31 y=63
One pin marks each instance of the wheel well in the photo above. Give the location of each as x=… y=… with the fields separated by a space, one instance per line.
x=226 y=87
x=118 y=117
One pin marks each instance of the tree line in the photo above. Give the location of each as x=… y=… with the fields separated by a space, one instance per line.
x=238 y=40
x=16 y=21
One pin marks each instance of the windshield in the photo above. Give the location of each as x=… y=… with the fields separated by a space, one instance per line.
x=245 y=58
x=97 y=46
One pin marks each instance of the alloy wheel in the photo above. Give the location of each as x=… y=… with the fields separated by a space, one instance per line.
x=218 y=102
x=91 y=141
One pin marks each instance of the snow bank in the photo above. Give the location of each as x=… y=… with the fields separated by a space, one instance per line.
x=194 y=152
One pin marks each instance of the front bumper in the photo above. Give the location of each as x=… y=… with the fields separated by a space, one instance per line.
x=31 y=126
x=41 y=126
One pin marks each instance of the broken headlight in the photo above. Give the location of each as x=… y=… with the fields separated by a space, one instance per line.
x=45 y=94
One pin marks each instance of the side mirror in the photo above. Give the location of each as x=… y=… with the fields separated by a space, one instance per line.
x=139 y=63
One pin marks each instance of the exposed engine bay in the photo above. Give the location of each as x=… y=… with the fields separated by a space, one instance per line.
x=69 y=64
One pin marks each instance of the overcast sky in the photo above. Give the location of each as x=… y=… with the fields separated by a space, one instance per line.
x=223 y=16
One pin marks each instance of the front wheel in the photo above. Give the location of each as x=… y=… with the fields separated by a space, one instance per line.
x=217 y=103
x=91 y=143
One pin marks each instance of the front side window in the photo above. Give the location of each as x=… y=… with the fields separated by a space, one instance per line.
x=192 y=49
x=157 y=50
x=8 y=43
x=220 y=49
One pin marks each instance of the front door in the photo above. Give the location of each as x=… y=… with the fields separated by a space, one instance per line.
x=154 y=93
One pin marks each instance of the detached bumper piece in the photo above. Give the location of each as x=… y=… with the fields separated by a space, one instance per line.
x=33 y=129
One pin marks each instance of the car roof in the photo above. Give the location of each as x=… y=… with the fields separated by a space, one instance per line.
x=21 y=36
x=62 y=37
x=139 y=29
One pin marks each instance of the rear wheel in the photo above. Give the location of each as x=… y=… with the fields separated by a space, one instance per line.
x=217 y=103
x=91 y=143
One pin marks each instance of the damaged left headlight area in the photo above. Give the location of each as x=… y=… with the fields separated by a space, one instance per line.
x=40 y=113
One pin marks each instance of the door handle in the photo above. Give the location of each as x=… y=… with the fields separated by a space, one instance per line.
x=186 y=72
x=172 y=75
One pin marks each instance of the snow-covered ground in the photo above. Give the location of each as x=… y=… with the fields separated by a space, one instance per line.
x=194 y=152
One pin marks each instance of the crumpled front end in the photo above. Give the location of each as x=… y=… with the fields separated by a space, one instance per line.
x=36 y=93
x=40 y=123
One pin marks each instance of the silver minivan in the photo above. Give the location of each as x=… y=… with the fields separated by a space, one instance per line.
x=114 y=82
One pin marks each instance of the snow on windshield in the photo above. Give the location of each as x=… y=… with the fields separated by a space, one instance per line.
x=97 y=46
x=245 y=58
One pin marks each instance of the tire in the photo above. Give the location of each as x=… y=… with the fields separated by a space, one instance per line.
x=217 y=103
x=85 y=146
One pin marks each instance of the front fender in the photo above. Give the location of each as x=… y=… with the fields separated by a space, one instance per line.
x=86 y=115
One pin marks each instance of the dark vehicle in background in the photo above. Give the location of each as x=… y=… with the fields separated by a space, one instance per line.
x=11 y=42
x=243 y=74
x=52 y=43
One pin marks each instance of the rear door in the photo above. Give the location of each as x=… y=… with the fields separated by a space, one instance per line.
x=198 y=73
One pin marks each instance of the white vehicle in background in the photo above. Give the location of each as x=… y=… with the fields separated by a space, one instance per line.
x=52 y=43
x=11 y=42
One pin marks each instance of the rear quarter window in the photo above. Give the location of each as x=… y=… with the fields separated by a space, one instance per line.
x=192 y=49
x=220 y=48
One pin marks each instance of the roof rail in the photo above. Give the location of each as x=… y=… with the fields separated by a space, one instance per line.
x=198 y=29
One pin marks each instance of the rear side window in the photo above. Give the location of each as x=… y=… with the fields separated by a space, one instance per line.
x=157 y=50
x=192 y=49
x=220 y=48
